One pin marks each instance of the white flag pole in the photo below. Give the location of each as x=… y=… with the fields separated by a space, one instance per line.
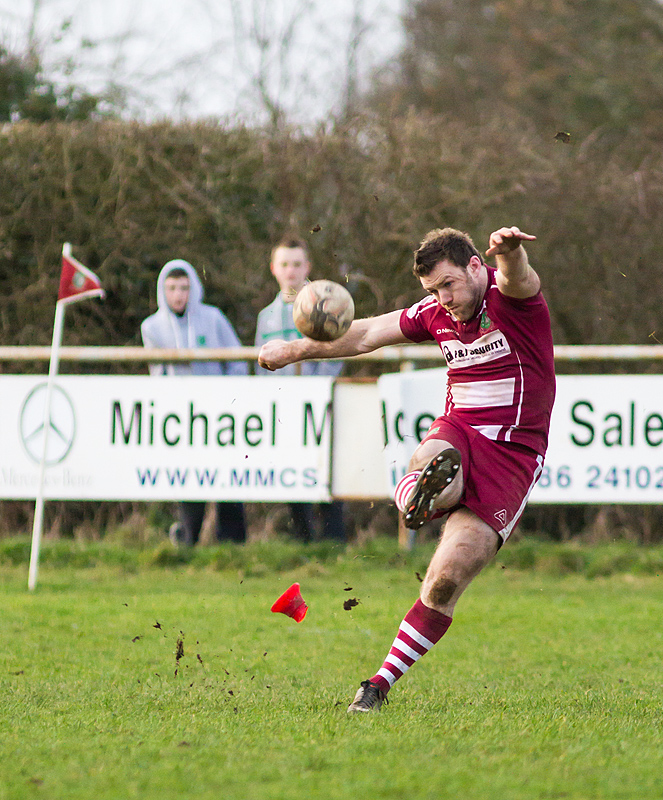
x=38 y=521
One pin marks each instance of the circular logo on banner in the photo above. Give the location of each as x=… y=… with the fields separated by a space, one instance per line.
x=61 y=428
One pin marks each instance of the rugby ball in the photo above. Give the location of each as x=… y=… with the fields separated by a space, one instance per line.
x=323 y=310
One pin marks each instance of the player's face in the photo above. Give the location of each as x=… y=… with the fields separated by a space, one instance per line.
x=290 y=267
x=177 y=293
x=458 y=290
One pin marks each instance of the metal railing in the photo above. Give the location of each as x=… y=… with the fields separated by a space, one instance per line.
x=403 y=354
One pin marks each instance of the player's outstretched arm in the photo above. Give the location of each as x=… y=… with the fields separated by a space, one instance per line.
x=363 y=336
x=515 y=276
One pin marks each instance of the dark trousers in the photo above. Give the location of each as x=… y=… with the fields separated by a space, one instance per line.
x=303 y=519
x=230 y=523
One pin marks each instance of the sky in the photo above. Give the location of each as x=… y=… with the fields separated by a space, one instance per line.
x=195 y=59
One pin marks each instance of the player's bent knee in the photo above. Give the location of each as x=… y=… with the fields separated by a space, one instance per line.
x=440 y=592
x=425 y=451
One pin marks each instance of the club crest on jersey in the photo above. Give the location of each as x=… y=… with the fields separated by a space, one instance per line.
x=485 y=323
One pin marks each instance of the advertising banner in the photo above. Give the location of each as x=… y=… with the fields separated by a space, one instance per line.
x=268 y=439
x=606 y=436
x=156 y=438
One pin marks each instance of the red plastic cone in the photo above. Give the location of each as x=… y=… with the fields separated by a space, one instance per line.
x=291 y=603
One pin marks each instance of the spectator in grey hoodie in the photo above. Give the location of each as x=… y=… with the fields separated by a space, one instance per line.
x=184 y=321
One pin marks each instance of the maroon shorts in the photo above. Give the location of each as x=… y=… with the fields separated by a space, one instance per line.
x=498 y=476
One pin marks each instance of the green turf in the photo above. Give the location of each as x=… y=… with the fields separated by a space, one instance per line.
x=546 y=686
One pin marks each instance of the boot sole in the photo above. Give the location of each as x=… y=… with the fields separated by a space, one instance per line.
x=436 y=476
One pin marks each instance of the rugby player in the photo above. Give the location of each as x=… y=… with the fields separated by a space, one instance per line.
x=481 y=458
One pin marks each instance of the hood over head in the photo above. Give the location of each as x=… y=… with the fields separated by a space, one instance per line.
x=196 y=291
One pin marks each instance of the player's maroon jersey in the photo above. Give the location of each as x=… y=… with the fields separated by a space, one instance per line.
x=501 y=377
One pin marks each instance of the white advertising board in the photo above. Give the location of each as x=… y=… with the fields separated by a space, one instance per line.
x=159 y=438
x=270 y=439
x=606 y=435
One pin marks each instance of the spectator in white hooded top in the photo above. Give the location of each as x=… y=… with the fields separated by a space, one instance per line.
x=184 y=321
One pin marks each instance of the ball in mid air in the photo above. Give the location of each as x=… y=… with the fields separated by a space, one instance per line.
x=323 y=310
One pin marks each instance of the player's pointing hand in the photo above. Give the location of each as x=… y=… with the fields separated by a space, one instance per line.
x=505 y=240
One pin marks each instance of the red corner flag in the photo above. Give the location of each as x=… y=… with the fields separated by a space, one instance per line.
x=77 y=281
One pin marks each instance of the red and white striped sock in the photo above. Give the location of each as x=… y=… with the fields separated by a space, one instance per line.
x=418 y=632
x=404 y=489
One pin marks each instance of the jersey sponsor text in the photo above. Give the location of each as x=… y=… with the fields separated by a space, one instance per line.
x=486 y=348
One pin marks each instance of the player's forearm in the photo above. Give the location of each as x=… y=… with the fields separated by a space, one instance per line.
x=364 y=336
x=277 y=354
x=352 y=343
x=516 y=276
x=513 y=265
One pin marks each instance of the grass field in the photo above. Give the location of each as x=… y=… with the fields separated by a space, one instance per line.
x=121 y=679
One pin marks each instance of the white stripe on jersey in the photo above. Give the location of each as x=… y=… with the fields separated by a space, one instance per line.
x=483 y=394
x=422 y=305
x=507 y=437
x=506 y=530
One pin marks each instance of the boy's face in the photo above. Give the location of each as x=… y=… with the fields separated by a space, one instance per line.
x=177 y=293
x=290 y=267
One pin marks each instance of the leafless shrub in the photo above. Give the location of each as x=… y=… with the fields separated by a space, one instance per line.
x=129 y=197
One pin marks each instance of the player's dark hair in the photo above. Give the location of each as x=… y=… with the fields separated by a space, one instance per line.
x=290 y=241
x=177 y=272
x=443 y=244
